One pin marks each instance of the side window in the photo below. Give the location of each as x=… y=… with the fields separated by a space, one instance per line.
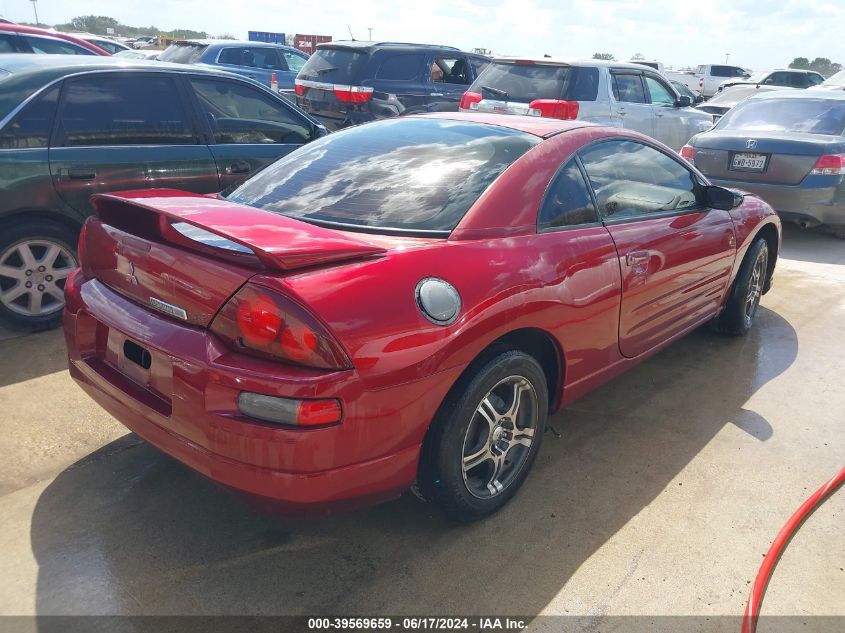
x=124 y=110
x=295 y=62
x=7 y=43
x=567 y=202
x=241 y=114
x=660 y=94
x=265 y=58
x=451 y=70
x=815 y=80
x=739 y=72
x=628 y=88
x=31 y=127
x=46 y=45
x=631 y=179
x=400 y=67
x=721 y=71
x=778 y=79
x=478 y=64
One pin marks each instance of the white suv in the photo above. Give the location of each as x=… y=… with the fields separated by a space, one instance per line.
x=619 y=94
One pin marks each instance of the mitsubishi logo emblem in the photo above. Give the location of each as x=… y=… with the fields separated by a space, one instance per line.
x=751 y=143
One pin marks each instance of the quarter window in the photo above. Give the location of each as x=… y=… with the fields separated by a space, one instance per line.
x=124 y=110
x=632 y=179
x=628 y=88
x=240 y=114
x=31 y=127
x=400 y=67
x=659 y=93
x=568 y=201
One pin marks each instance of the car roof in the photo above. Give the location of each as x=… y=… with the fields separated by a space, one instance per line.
x=388 y=45
x=222 y=43
x=537 y=126
x=571 y=61
x=809 y=93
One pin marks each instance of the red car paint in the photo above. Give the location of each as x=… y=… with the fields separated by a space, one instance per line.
x=599 y=309
x=33 y=30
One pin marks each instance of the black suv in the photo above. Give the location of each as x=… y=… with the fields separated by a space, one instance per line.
x=346 y=83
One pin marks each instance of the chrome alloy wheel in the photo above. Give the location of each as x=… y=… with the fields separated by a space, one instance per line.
x=499 y=437
x=32 y=277
x=755 y=286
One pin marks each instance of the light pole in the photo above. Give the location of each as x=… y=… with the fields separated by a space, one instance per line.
x=370 y=29
x=35 y=8
x=727 y=55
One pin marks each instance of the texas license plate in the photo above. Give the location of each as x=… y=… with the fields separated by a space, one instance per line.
x=748 y=162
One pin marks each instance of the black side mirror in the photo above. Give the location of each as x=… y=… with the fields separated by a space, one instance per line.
x=683 y=102
x=320 y=131
x=699 y=99
x=721 y=198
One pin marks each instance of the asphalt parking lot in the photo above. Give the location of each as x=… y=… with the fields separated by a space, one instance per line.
x=661 y=495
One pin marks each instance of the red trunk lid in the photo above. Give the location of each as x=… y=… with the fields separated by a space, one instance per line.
x=185 y=254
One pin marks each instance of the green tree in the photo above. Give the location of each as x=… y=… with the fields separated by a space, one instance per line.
x=821 y=65
x=637 y=57
x=608 y=56
x=94 y=24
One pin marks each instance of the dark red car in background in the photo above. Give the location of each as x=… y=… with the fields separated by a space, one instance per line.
x=404 y=302
x=19 y=38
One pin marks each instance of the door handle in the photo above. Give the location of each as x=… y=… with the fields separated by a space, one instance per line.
x=637 y=258
x=620 y=111
x=658 y=113
x=77 y=174
x=238 y=167
x=436 y=94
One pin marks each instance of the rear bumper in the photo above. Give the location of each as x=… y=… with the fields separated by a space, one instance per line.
x=187 y=407
x=797 y=203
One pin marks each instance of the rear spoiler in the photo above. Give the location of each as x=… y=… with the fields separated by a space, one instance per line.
x=278 y=242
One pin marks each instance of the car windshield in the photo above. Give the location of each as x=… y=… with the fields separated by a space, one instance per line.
x=183 y=53
x=412 y=175
x=812 y=116
x=525 y=82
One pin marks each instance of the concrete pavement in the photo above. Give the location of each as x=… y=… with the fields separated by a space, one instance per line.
x=662 y=494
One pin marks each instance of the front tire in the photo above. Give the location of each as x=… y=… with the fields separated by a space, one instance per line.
x=485 y=437
x=738 y=315
x=36 y=258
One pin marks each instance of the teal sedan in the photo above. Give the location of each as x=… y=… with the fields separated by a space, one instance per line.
x=74 y=126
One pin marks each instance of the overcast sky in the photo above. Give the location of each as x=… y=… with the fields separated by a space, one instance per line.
x=758 y=35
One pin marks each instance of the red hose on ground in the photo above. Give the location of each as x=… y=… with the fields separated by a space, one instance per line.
x=758 y=590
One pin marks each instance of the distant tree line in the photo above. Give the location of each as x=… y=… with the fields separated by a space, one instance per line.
x=99 y=24
x=821 y=65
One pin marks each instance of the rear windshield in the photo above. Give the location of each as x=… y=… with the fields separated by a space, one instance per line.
x=813 y=116
x=526 y=82
x=334 y=65
x=183 y=53
x=415 y=175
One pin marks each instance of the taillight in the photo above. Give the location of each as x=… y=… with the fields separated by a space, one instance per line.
x=553 y=109
x=829 y=165
x=470 y=99
x=299 y=89
x=262 y=322
x=701 y=83
x=353 y=94
x=688 y=153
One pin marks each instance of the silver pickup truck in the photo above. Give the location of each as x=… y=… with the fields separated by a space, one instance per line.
x=619 y=94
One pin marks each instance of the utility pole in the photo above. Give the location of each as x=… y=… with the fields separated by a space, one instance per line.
x=370 y=29
x=35 y=8
x=727 y=55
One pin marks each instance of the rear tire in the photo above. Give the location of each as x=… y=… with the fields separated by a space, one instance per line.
x=744 y=299
x=36 y=258
x=485 y=437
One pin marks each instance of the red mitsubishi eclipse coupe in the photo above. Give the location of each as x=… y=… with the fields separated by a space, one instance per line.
x=404 y=302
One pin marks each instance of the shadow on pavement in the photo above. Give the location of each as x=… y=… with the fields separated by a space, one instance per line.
x=128 y=530
x=810 y=245
x=31 y=356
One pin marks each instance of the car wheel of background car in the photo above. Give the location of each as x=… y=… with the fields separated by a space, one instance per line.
x=744 y=299
x=35 y=260
x=485 y=436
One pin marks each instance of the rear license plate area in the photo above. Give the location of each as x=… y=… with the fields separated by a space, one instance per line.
x=749 y=161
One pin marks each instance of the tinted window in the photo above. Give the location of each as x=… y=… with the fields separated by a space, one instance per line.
x=7 y=43
x=183 y=53
x=478 y=64
x=334 y=65
x=265 y=58
x=413 y=174
x=778 y=79
x=50 y=46
x=451 y=70
x=31 y=127
x=815 y=116
x=526 y=82
x=659 y=93
x=109 y=47
x=631 y=179
x=241 y=114
x=124 y=110
x=400 y=67
x=568 y=201
x=814 y=80
x=628 y=88
x=295 y=62
x=721 y=71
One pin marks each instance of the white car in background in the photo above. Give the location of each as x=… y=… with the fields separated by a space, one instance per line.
x=619 y=94
x=834 y=82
